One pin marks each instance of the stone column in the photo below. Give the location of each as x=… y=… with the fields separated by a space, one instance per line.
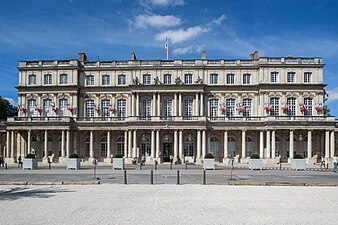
x=180 y=104
x=132 y=104
x=261 y=144
x=196 y=105
x=12 y=144
x=63 y=144
x=198 y=144
x=180 y=143
x=309 y=144
x=268 y=144
x=158 y=144
x=91 y=145
x=291 y=145
x=130 y=139
x=134 y=144
x=273 y=144
x=125 y=153
x=137 y=104
x=29 y=142
x=225 y=145
x=175 y=105
x=243 y=144
x=108 y=145
x=159 y=104
x=153 y=144
x=46 y=144
x=8 y=144
x=332 y=147
x=327 y=144
x=202 y=105
x=154 y=105
x=68 y=143
x=175 y=143
x=204 y=143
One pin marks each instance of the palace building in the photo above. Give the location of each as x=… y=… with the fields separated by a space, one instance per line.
x=270 y=106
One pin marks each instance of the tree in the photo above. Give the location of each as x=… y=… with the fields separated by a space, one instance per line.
x=326 y=108
x=6 y=109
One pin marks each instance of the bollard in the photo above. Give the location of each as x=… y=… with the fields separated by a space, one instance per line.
x=5 y=166
x=204 y=178
x=178 y=177
x=186 y=165
x=171 y=165
x=49 y=165
x=151 y=177
x=125 y=176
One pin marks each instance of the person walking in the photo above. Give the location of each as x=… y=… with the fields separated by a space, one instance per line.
x=335 y=162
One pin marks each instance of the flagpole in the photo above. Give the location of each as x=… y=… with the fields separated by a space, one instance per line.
x=167 y=49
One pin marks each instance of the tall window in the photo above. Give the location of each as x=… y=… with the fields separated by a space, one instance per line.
x=32 y=79
x=87 y=147
x=291 y=77
x=308 y=105
x=47 y=79
x=167 y=79
x=63 y=105
x=214 y=107
x=188 y=146
x=146 y=79
x=90 y=80
x=188 y=78
x=104 y=147
x=274 y=102
x=63 y=79
x=187 y=108
x=246 y=78
x=120 y=145
x=307 y=77
x=167 y=107
x=231 y=146
x=145 y=145
x=248 y=146
x=121 y=108
x=121 y=79
x=105 y=104
x=31 y=107
x=105 y=79
x=89 y=108
x=146 y=109
x=274 y=77
x=291 y=103
x=230 y=78
x=230 y=107
x=213 y=78
x=214 y=146
x=47 y=107
x=247 y=103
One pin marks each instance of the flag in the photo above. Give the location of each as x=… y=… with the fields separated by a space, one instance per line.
x=166 y=47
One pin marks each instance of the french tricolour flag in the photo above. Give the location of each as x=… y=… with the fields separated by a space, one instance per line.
x=166 y=47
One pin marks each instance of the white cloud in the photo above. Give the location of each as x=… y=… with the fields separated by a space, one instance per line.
x=187 y=50
x=219 y=20
x=333 y=95
x=144 y=21
x=12 y=101
x=164 y=3
x=181 y=35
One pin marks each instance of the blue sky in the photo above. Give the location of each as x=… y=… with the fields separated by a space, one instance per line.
x=112 y=29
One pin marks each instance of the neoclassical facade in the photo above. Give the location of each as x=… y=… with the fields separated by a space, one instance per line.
x=269 y=106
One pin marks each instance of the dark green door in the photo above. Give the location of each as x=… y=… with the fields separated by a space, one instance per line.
x=167 y=151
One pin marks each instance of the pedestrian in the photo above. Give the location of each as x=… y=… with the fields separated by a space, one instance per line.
x=335 y=162
x=171 y=159
x=143 y=159
x=322 y=163
x=19 y=162
x=2 y=161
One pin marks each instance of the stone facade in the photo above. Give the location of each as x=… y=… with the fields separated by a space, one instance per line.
x=185 y=108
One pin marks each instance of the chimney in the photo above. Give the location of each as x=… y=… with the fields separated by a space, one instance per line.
x=82 y=57
x=133 y=56
x=204 y=55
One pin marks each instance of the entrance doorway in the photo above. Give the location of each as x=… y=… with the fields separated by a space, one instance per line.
x=167 y=151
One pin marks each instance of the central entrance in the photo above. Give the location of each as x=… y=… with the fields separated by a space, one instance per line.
x=167 y=151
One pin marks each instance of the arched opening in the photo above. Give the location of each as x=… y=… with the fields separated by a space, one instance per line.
x=231 y=147
x=188 y=146
x=248 y=146
x=103 y=147
x=120 y=145
x=214 y=146
x=145 y=145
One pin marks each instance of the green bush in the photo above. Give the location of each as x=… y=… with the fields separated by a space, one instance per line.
x=209 y=156
x=118 y=155
x=254 y=156
x=73 y=156
x=297 y=156
x=30 y=156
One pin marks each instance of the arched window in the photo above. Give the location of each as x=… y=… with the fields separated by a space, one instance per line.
x=104 y=147
x=63 y=104
x=188 y=145
x=120 y=145
x=31 y=108
x=47 y=107
x=145 y=145
x=105 y=104
x=231 y=146
x=87 y=147
x=214 y=146
x=278 y=147
x=230 y=107
x=248 y=146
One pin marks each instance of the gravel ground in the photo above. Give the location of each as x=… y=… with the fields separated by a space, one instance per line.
x=167 y=204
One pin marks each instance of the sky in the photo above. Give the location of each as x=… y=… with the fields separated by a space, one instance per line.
x=112 y=29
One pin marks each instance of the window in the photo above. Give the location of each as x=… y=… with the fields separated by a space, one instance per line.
x=214 y=108
x=307 y=77
x=187 y=108
x=89 y=108
x=274 y=102
x=291 y=77
x=146 y=78
x=63 y=78
x=247 y=103
x=248 y=146
x=246 y=78
x=104 y=147
x=291 y=103
x=214 y=146
x=105 y=104
x=87 y=147
x=89 y=80
x=230 y=107
x=167 y=108
x=188 y=78
x=121 y=108
x=188 y=146
x=105 y=79
x=167 y=79
x=231 y=147
x=32 y=79
x=47 y=107
x=145 y=145
x=274 y=77
x=47 y=79
x=146 y=109
x=63 y=104
x=308 y=106
x=121 y=79
x=213 y=78
x=230 y=78
x=120 y=145
x=31 y=107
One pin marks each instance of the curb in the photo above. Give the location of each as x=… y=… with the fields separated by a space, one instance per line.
x=50 y=183
x=240 y=183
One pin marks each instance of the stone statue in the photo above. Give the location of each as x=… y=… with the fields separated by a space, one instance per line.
x=199 y=80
